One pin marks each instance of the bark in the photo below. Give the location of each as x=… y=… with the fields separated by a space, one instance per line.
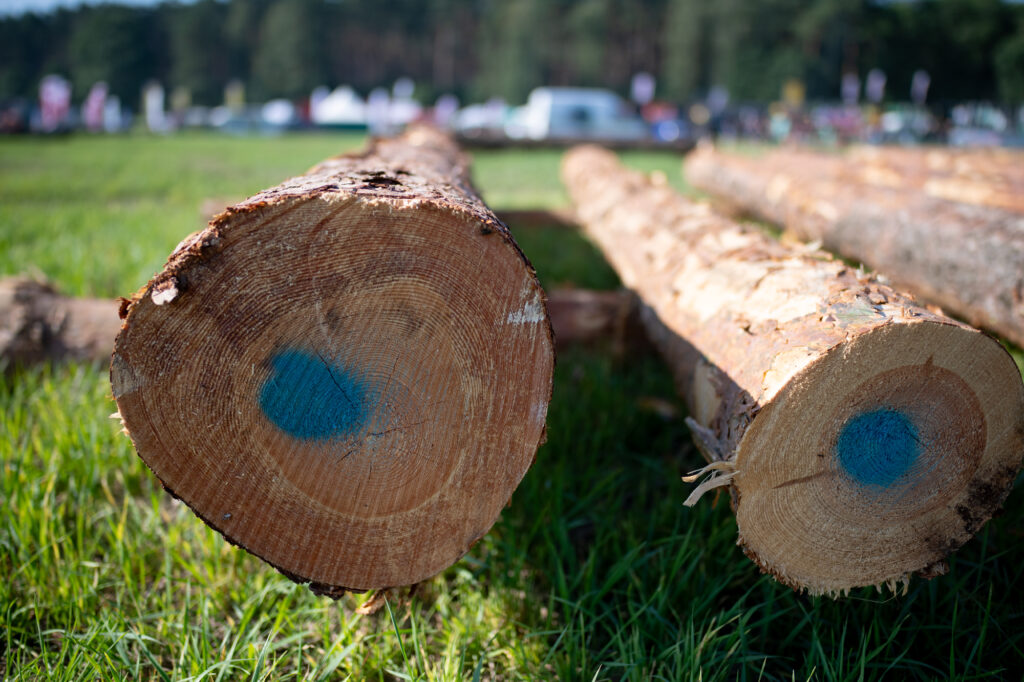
x=863 y=437
x=38 y=324
x=347 y=374
x=516 y=217
x=985 y=177
x=966 y=257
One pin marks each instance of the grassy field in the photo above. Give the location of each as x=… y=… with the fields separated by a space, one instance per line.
x=595 y=571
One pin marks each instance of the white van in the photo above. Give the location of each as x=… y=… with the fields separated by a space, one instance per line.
x=575 y=114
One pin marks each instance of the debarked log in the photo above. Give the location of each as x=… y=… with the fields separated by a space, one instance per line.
x=863 y=438
x=964 y=257
x=347 y=374
x=986 y=176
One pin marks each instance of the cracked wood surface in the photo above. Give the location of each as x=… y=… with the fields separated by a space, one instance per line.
x=863 y=437
x=347 y=374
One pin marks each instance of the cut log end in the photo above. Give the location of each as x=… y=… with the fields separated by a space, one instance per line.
x=348 y=387
x=881 y=458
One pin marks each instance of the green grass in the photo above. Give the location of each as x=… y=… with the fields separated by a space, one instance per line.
x=511 y=178
x=595 y=570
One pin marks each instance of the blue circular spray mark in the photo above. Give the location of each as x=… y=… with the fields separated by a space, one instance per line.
x=878 y=447
x=310 y=397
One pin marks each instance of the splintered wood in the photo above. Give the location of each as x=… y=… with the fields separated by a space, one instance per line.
x=347 y=374
x=863 y=438
x=946 y=225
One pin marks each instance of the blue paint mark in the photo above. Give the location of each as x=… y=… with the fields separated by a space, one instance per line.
x=312 y=398
x=878 y=447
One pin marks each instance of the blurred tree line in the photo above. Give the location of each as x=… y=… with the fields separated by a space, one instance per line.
x=973 y=49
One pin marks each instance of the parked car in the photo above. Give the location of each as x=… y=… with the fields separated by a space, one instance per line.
x=575 y=114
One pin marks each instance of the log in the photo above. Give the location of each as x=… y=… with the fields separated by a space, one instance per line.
x=585 y=316
x=516 y=217
x=347 y=374
x=966 y=258
x=38 y=324
x=863 y=438
x=985 y=177
x=982 y=177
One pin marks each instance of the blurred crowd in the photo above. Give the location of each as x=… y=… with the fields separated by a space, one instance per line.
x=550 y=113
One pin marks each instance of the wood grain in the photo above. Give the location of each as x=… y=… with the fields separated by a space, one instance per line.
x=347 y=374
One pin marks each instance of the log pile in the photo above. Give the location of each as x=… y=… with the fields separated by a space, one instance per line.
x=347 y=374
x=888 y=210
x=863 y=437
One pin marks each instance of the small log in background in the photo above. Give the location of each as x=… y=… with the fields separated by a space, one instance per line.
x=966 y=256
x=348 y=374
x=38 y=324
x=863 y=437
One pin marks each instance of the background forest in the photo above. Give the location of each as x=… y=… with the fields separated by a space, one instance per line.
x=973 y=49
